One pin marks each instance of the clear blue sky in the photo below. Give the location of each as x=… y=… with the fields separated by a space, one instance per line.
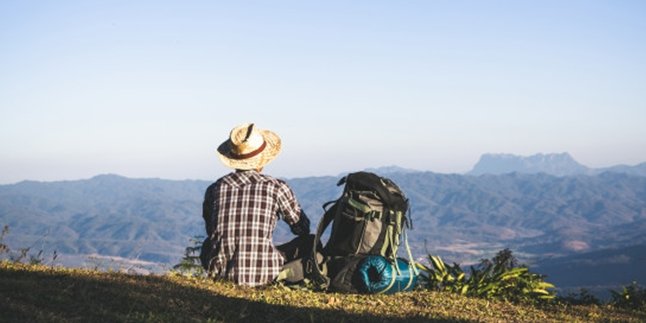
x=151 y=88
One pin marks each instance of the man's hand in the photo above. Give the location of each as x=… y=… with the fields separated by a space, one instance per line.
x=302 y=226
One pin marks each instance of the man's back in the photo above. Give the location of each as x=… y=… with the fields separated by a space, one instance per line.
x=240 y=212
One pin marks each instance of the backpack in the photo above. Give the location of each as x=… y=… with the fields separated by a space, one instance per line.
x=369 y=219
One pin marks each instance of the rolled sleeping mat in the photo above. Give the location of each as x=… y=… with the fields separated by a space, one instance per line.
x=378 y=275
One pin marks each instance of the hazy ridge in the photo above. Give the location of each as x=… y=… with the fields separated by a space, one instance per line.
x=463 y=218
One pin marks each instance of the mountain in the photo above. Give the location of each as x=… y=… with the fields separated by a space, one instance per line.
x=555 y=164
x=537 y=214
x=461 y=218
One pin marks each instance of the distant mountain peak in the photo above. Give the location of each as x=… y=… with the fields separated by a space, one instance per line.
x=557 y=164
x=108 y=177
x=392 y=169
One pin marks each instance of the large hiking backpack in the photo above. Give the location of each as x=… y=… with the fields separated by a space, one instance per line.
x=369 y=219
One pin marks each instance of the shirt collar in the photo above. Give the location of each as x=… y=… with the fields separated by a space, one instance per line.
x=241 y=178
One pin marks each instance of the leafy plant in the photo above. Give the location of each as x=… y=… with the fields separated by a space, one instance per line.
x=500 y=278
x=442 y=277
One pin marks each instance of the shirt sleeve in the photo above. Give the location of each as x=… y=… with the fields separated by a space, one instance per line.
x=207 y=210
x=287 y=204
x=291 y=212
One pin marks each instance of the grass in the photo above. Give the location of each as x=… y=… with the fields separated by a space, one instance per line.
x=33 y=293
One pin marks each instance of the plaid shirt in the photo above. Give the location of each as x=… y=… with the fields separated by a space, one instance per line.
x=240 y=211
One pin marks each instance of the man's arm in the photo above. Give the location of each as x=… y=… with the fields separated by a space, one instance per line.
x=207 y=210
x=292 y=213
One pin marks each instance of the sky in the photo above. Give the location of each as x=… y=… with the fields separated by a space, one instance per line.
x=151 y=88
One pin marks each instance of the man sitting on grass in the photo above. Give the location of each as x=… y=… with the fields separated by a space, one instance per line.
x=241 y=209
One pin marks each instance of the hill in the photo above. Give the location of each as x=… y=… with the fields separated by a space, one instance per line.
x=52 y=294
x=110 y=215
x=637 y=170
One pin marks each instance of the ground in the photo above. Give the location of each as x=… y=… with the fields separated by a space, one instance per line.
x=32 y=293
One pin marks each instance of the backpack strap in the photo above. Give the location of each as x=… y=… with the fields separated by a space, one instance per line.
x=411 y=260
x=312 y=268
x=392 y=279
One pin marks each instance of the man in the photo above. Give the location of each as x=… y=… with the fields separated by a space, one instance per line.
x=240 y=211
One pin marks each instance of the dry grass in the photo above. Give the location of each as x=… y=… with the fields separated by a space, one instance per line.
x=46 y=294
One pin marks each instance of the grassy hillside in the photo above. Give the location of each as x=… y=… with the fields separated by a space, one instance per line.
x=46 y=294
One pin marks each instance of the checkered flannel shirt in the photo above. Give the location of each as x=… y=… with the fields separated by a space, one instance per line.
x=240 y=211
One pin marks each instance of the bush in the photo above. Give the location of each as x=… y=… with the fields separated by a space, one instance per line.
x=583 y=297
x=631 y=297
x=21 y=254
x=190 y=264
x=500 y=278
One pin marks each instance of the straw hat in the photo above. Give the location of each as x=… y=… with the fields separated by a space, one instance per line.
x=249 y=147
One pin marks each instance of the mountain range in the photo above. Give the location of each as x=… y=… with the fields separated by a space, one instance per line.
x=547 y=220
